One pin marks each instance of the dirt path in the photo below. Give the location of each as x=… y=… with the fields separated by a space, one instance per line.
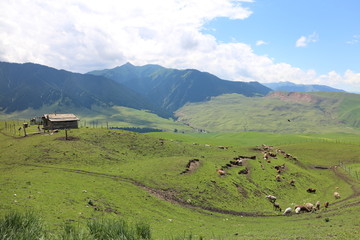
x=352 y=182
x=166 y=195
x=172 y=196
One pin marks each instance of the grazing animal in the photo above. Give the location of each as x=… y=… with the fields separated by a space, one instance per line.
x=287 y=211
x=297 y=210
x=336 y=195
x=277 y=206
x=310 y=207
x=278 y=178
x=244 y=171
x=292 y=182
x=223 y=147
x=272 y=155
x=301 y=208
x=266 y=156
x=221 y=172
x=311 y=190
x=317 y=205
x=326 y=204
x=237 y=162
x=271 y=198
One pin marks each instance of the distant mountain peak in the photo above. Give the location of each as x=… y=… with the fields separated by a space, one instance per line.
x=290 y=86
x=173 y=88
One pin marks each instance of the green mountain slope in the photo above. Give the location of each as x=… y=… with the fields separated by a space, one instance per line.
x=277 y=112
x=24 y=86
x=171 y=88
x=112 y=174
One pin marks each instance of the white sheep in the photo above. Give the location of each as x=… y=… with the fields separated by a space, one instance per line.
x=271 y=198
x=287 y=211
x=336 y=195
x=297 y=210
x=310 y=207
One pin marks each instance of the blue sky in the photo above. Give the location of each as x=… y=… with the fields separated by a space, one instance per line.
x=334 y=25
x=307 y=41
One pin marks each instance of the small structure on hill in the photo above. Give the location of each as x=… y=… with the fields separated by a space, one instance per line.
x=60 y=121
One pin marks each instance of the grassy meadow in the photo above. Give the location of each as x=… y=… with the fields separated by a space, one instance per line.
x=278 y=112
x=101 y=178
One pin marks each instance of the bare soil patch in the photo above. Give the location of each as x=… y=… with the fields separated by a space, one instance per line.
x=68 y=138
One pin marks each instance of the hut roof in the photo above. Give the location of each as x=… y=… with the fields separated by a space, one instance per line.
x=61 y=117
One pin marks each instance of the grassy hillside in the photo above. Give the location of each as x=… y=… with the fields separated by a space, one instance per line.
x=137 y=177
x=101 y=117
x=284 y=112
x=33 y=86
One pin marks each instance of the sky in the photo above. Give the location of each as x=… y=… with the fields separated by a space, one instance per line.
x=302 y=41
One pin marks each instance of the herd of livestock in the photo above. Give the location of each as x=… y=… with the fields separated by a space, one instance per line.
x=269 y=153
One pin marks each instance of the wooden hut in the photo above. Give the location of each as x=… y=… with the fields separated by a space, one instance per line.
x=60 y=121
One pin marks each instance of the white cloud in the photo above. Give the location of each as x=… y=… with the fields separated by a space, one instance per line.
x=261 y=42
x=83 y=35
x=304 y=41
x=355 y=39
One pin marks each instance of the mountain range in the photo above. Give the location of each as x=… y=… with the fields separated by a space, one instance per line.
x=34 y=86
x=171 y=88
x=293 y=87
x=150 y=87
x=152 y=96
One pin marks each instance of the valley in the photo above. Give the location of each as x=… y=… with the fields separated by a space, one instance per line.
x=216 y=159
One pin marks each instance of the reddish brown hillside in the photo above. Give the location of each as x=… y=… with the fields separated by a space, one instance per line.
x=293 y=97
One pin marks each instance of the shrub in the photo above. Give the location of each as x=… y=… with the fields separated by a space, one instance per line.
x=21 y=226
x=143 y=231
x=118 y=230
x=71 y=232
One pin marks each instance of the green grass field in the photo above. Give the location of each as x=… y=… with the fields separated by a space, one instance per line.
x=306 y=113
x=112 y=175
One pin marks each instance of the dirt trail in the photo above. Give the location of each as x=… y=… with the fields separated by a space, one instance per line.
x=166 y=195
x=172 y=196
x=352 y=182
